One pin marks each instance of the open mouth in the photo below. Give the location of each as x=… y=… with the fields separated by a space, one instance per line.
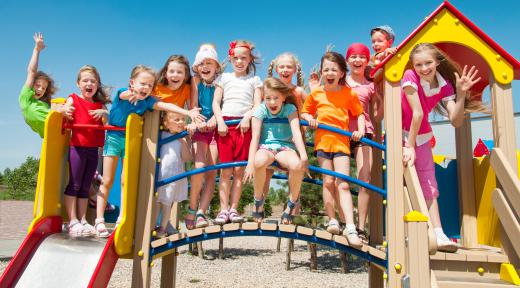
x=88 y=90
x=143 y=94
x=330 y=81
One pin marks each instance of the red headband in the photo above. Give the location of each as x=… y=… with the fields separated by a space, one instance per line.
x=358 y=48
x=234 y=45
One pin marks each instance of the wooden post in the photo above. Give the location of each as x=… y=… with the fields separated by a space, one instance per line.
x=144 y=223
x=375 y=211
x=169 y=262
x=221 y=248
x=395 y=198
x=505 y=139
x=466 y=184
x=417 y=256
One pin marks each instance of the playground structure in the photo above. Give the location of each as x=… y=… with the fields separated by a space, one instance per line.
x=409 y=257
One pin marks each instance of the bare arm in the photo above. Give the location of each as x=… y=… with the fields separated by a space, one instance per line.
x=193 y=113
x=39 y=45
x=245 y=123
x=185 y=150
x=417 y=116
x=194 y=97
x=217 y=111
x=356 y=135
x=294 y=122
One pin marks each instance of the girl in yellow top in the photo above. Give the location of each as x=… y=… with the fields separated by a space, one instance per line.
x=173 y=81
x=333 y=104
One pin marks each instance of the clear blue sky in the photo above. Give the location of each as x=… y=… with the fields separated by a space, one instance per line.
x=114 y=36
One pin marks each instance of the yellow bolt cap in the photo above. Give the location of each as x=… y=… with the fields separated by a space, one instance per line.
x=397 y=267
x=385 y=276
x=385 y=244
x=384 y=202
x=125 y=238
x=456 y=21
x=498 y=57
x=140 y=253
x=504 y=75
x=152 y=264
x=58 y=205
x=480 y=270
x=154 y=233
x=394 y=73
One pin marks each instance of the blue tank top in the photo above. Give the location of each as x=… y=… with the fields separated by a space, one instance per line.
x=206 y=99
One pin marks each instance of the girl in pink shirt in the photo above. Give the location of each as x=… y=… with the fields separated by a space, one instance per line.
x=434 y=83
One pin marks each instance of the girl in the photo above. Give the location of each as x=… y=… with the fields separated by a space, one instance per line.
x=286 y=65
x=132 y=100
x=357 y=57
x=239 y=93
x=333 y=103
x=173 y=156
x=277 y=142
x=174 y=76
x=434 y=83
x=35 y=97
x=89 y=108
x=205 y=68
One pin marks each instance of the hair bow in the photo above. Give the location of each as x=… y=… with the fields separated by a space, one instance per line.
x=232 y=47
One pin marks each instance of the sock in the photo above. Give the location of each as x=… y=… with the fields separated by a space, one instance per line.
x=440 y=234
x=351 y=228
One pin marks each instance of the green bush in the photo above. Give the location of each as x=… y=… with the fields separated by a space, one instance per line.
x=21 y=182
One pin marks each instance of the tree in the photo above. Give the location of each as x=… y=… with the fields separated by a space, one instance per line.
x=21 y=182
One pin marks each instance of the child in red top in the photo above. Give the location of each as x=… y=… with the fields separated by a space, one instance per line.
x=84 y=143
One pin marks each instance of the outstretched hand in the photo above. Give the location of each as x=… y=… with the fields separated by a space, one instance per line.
x=38 y=41
x=467 y=79
x=314 y=81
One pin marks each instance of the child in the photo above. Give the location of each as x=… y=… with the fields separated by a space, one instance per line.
x=357 y=57
x=205 y=68
x=239 y=93
x=333 y=103
x=382 y=40
x=35 y=97
x=173 y=156
x=174 y=76
x=278 y=142
x=434 y=83
x=89 y=108
x=127 y=101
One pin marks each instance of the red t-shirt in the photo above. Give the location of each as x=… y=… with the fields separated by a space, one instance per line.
x=86 y=137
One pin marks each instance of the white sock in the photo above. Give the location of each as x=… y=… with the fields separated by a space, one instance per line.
x=351 y=228
x=440 y=234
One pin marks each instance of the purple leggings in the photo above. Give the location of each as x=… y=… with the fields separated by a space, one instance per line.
x=83 y=162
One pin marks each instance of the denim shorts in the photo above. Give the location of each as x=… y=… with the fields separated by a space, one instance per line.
x=329 y=155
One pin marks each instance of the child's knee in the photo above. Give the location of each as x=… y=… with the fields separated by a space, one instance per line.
x=328 y=182
x=342 y=185
x=225 y=174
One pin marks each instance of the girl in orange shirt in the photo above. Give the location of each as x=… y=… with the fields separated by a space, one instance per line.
x=173 y=81
x=333 y=104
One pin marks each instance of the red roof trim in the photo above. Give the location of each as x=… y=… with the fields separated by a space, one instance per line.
x=467 y=22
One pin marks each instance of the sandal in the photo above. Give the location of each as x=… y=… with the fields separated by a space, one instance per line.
x=362 y=234
x=75 y=228
x=190 y=223
x=222 y=217
x=101 y=229
x=200 y=220
x=287 y=217
x=333 y=227
x=352 y=236
x=234 y=217
x=88 y=230
x=259 y=216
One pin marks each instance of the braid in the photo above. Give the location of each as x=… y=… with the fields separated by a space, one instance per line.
x=299 y=76
x=271 y=68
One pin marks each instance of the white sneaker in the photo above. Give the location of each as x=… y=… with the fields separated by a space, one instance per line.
x=88 y=230
x=333 y=227
x=444 y=244
x=351 y=234
x=75 y=228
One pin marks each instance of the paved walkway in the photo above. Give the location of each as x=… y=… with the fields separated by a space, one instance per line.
x=15 y=218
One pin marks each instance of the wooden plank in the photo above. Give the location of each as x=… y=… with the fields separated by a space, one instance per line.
x=395 y=198
x=212 y=229
x=507 y=218
x=194 y=232
x=231 y=227
x=438 y=256
x=376 y=253
x=250 y=226
x=305 y=230
x=497 y=258
x=507 y=177
x=176 y=237
x=269 y=226
x=341 y=240
x=474 y=256
x=417 y=254
x=287 y=228
x=467 y=186
x=503 y=121
x=159 y=242
x=323 y=234
x=455 y=257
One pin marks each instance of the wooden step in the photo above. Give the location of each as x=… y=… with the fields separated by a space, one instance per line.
x=471 y=282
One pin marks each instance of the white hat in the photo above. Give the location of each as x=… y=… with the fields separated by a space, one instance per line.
x=205 y=52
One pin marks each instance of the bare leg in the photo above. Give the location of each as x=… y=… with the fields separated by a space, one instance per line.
x=109 y=171
x=196 y=180
x=166 y=211
x=342 y=165
x=328 y=188
x=209 y=188
x=433 y=208
x=263 y=159
x=291 y=161
x=364 y=167
x=267 y=184
x=82 y=204
x=238 y=175
x=70 y=206
x=225 y=187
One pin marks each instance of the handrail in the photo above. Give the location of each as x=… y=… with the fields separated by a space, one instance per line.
x=507 y=217
x=302 y=122
x=507 y=177
x=419 y=204
x=244 y=163
x=93 y=126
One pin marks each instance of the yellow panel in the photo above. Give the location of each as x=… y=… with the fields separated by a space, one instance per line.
x=438 y=159
x=445 y=27
x=51 y=174
x=415 y=216
x=508 y=274
x=124 y=237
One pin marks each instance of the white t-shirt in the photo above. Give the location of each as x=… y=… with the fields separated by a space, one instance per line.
x=171 y=164
x=238 y=93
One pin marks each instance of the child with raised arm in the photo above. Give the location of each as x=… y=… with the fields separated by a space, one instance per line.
x=357 y=57
x=173 y=156
x=435 y=82
x=206 y=69
x=237 y=94
x=276 y=142
x=333 y=104
x=128 y=100
x=35 y=97
x=89 y=108
x=382 y=40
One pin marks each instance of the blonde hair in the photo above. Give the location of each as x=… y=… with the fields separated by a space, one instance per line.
x=274 y=65
x=447 y=69
x=255 y=59
x=179 y=59
x=103 y=93
x=143 y=69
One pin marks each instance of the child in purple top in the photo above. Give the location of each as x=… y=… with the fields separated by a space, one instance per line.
x=434 y=83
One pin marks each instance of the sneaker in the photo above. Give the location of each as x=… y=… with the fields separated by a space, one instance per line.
x=234 y=217
x=88 y=230
x=352 y=236
x=333 y=227
x=222 y=217
x=170 y=230
x=75 y=228
x=444 y=244
x=101 y=229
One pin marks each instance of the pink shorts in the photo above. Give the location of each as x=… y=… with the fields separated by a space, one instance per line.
x=426 y=171
x=206 y=137
x=235 y=145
